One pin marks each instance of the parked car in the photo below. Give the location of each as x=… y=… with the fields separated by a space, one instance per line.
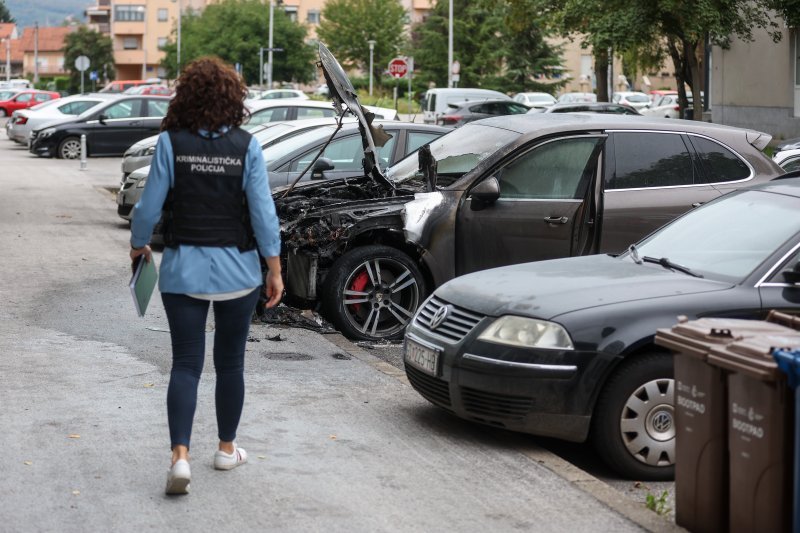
x=110 y=128
x=368 y=250
x=273 y=94
x=119 y=86
x=538 y=100
x=589 y=107
x=23 y=99
x=576 y=97
x=280 y=110
x=343 y=157
x=564 y=348
x=22 y=123
x=16 y=83
x=666 y=106
x=634 y=99
x=788 y=144
x=437 y=101
x=160 y=90
x=788 y=160
x=460 y=113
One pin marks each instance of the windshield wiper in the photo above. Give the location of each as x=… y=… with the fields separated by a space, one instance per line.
x=666 y=263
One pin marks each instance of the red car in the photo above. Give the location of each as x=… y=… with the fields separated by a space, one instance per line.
x=24 y=99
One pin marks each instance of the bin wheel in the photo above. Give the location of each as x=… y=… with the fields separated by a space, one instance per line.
x=634 y=422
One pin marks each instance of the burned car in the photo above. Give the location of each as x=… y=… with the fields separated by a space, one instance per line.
x=495 y=192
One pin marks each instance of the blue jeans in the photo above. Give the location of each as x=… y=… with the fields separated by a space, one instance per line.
x=187 y=325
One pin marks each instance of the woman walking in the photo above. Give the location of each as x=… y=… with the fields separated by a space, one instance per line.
x=209 y=178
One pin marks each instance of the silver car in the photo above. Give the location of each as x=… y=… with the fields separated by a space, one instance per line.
x=24 y=121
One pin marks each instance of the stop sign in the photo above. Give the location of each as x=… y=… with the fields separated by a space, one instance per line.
x=398 y=67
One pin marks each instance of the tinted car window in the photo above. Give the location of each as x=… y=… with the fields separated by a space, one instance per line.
x=273 y=114
x=42 y=97
x=157 y=108
x=76 y=108
x=555 y=170
x=646 y=160
x=418 y=138
x=126 y=109
x=314 y=112
x=346 y=153
x=719 y=163
x=26 y=97
x=511 y=109
x=791 y=164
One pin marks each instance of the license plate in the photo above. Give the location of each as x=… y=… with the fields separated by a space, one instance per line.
x=422 y=357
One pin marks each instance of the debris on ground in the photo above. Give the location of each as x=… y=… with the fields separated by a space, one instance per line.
x=276 y=338
x=253 y=339
x=371 y=345
x=297 y=318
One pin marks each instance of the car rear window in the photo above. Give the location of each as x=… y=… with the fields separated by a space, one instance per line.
x=647 y=160
x=719 y=163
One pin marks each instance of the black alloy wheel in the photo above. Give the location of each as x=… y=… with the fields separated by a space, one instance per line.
x=372 y=292
x=69 y=148
x=634 y=421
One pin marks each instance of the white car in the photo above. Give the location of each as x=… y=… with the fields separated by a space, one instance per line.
x=24 y=121
x=634 y=99
x=788 y=160
x=273 y=94
x=537 y=100
x=283 y=109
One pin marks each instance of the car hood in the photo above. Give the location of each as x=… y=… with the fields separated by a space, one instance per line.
x=56 y=123
x=344 y=95
x=547 y=289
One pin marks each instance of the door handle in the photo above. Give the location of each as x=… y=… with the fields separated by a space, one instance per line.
x=697 y=204
x=136 y=123
x=556 y=220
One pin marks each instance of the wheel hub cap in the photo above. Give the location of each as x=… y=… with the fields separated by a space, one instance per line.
x=647 y=423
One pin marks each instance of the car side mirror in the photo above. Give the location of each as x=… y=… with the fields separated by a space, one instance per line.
x=322 y=165
x=101 y=118
x=485 y=193
x=792 y=276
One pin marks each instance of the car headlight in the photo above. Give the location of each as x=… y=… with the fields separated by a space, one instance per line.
x=46 y=133
x=527 y=333
x=141 y=183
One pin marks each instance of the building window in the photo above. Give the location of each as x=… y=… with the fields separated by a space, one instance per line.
x=313 y=17
x=291 y=12
x=163 y=15
x=162 y=42
x=129 y=13
x=130 y=43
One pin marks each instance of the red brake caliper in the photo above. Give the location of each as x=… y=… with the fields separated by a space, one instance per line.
x=359 y=283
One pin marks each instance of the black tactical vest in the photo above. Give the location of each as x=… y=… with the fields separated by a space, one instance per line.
x=207 y=205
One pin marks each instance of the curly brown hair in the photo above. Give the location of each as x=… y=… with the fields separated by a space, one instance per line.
x=209 y=95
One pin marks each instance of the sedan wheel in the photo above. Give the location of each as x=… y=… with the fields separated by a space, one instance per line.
x=372 y=292
x=634 y=422
x=70 y=148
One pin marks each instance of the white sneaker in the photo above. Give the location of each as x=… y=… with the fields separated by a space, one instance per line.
x=229 y=461
x=179 y=477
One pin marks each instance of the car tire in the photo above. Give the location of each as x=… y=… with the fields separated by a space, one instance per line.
x=371 y=293
x=634 y=425
x=69 y=148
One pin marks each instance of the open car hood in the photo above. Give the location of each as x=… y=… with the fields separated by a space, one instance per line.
x=345 y=98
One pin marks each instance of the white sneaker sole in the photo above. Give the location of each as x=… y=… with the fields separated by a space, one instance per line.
x=177 y=485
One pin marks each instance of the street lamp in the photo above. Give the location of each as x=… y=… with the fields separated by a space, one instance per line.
x=8 y=59
x=143 y=10
x=180 y=11
x=450 y=46
x=371 y=50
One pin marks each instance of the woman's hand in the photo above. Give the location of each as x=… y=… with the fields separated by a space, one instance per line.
x=273 y=284
x=144 y=250
x=273 y=288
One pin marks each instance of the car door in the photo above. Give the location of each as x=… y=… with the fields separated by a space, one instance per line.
x=22 y=101
x=544 y=211
x=116 y=125
x=651 y=178
x=156 y=111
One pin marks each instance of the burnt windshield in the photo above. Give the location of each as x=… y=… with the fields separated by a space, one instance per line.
x=456 y=153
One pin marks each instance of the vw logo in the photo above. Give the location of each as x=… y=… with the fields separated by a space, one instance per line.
x=662 y=422
x=439 y=316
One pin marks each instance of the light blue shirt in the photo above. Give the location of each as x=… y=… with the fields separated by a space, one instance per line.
x=188 y=269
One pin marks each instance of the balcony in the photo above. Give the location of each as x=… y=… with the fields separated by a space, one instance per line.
x=128 y=57
x=129 y=28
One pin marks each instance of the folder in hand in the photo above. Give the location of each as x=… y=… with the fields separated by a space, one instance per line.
x=142 y=283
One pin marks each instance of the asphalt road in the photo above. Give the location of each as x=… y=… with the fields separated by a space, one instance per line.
x=337 y=441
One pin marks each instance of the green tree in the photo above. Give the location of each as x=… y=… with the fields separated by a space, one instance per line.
x=94 y=45
x=348 y=25
x=234 y=30
x=496 y=49
x=5 y=14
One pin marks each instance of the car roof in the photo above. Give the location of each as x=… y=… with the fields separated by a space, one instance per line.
x=258 y=105
x=545 y=123
x=787 y=186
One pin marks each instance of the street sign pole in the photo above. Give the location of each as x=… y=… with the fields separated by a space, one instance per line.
x=82 y=63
